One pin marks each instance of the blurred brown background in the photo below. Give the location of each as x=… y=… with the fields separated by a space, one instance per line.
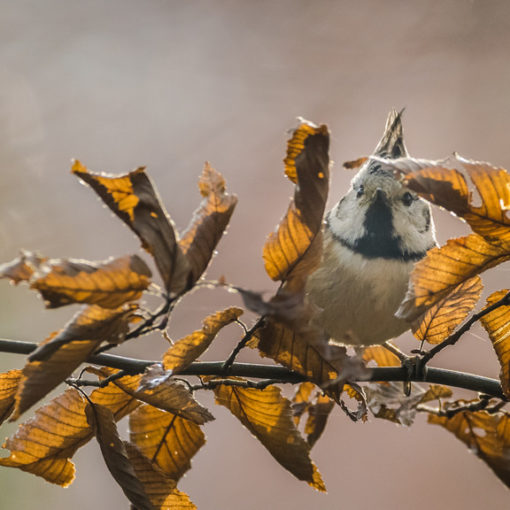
x=171 y=84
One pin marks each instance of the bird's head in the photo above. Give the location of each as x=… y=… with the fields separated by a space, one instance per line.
x=379 y=217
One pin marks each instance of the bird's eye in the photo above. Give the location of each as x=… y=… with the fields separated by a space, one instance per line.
x=407 y=198
x=360 y=191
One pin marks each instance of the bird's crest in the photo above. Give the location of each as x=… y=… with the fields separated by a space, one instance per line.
x=392 y=145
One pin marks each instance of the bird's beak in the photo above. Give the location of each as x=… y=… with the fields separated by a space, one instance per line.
x=380 y=196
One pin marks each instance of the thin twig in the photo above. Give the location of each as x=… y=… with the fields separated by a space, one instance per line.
x=454 y=337
x=247 y=337
x=96 y=383
x=259 y=385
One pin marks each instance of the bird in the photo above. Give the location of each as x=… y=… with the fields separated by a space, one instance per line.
x=372 y=239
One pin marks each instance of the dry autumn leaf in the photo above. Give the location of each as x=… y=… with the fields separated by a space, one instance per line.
x=382 y=356
x=57 y=357
x=445 y=268
x=167 y=440
x=160 y=488
x=444 y=183
x=61 y=282
x=355 y=164
x=108 y=284
x=9 y=382
x=440 y=320
x=295 y=248
x=188 y=349
x=133 y=198
x=268 y=416
x=101 y=419
x=486 y=435
x=21 y=268
x=497 y=325
x=44 y=444
x=208 y=223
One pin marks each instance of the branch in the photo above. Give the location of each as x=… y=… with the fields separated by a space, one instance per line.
x=467 y=381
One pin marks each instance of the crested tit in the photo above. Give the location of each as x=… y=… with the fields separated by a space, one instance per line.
x=372 y=238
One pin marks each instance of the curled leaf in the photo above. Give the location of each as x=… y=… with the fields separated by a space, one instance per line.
x=134 y=200
x=445 y=268
x=297 y=241
x=9 y=382
x=486 y=435
x=440 y=320
x=56 y=358
x=188 y=349
x=497 y=325
x=44 y=444
x=444 y=183
x=268 y=416
x=21 y=268
x=167 y=440
x=159 y=487
x=115 y=455
x=209 y=221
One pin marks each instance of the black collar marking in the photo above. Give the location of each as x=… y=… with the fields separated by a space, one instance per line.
x=378 y=241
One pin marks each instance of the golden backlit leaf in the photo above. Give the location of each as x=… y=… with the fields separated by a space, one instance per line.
x=436 y=392
x=167 y=440
x=444 y=183
x=156 y=388
x=160 y=488
x=108 y=284
x=301 y=400
x=57 y=357
x=133 y=198
x=21 y=268
x=188 y=349
x=318 y=413
x=443 y=269
x=44 y=444
x=208 y=223
x=440 y=320
x=382 y=356
x=268 y=416
x=115 y=456
x=355 y=164
x=497 y=325
x=9 y=382
x=307 y=165
x=486 y=435
x=293 y=350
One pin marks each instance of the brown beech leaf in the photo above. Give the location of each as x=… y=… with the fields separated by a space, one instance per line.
x=101 y=419
x=268 y=416
x=159 y=390
x=159 y=487
x=208 y=223
x=168 y=440
x=443 y=269
x=354 y=164
x=188 y=349
x=382 y=356
x=297 y=241
x=21 y=268
x=318 y=406
x=497 y=325
x=486 y=435
x=436 y=392
x=57 y=357
x=293 y=350
x=444 y=183
x=44 y=444
x=9 y=382
x=108 y=284
x=436 y=324
x=133 y=198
